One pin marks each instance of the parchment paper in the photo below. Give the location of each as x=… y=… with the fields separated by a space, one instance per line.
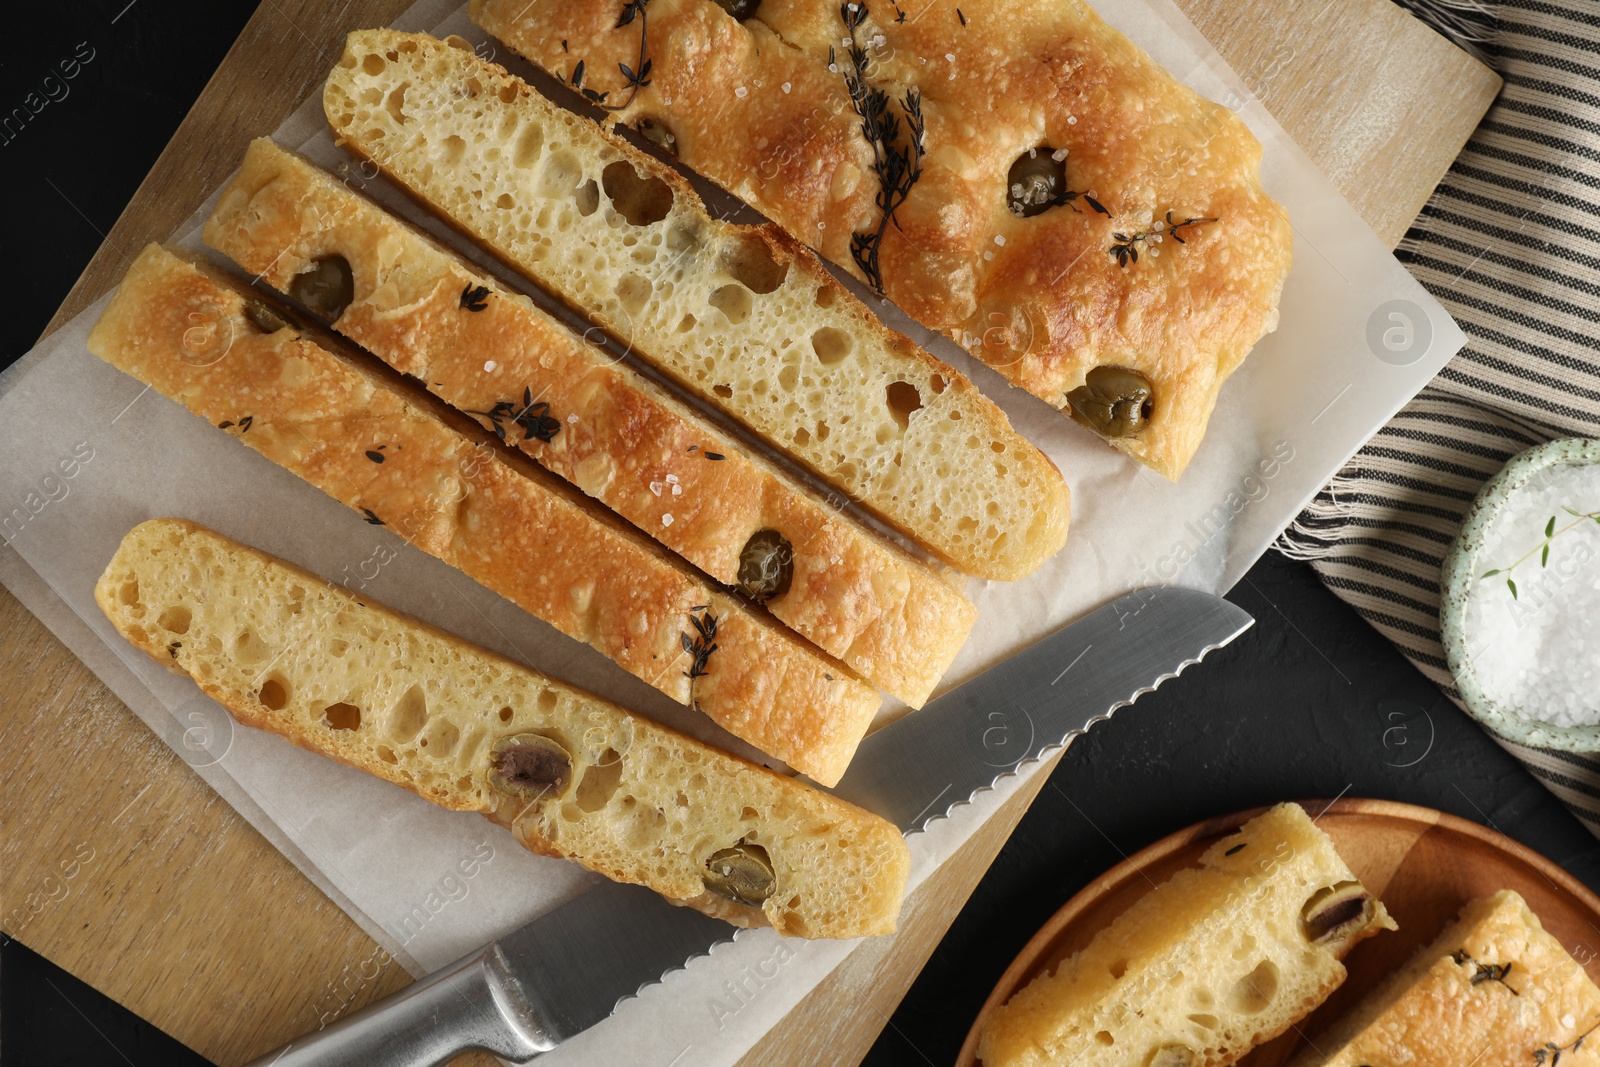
x=86 y=452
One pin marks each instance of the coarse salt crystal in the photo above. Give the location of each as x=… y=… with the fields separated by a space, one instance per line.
x=655 y=487
x=572 y=420
x=1072 y=120
x=489 y=365
x=741 y=92
x=785 y=86
x=666 y=520
x=672 y=479
x=1000 y=239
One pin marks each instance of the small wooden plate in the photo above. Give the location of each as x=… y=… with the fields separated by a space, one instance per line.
x=1424 y=865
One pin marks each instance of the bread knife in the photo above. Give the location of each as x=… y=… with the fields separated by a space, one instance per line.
x=567 y=970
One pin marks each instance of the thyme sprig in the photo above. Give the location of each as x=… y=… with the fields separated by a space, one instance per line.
x=897 y=165
x=535 y=419
x=1542 y=549
x=475 y=297
x=635 y=77
x=1125 y=245
x=1552 y=1051
x=1486 y=972
x=701 y=646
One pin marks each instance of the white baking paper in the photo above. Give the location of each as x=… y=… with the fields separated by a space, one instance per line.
x=86 y=452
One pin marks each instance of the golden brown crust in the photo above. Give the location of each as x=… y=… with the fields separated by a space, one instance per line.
x=804 y=365
x=893 y=618
x=183 y=330
x=754 y=106
x=1495 y=989
x=345 y=677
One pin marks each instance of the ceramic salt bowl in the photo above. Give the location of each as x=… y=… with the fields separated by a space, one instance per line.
x=1462 y=571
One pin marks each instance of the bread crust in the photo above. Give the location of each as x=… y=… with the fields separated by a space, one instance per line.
x=182 y=329
x=754 y=106
x=891 y=617
x=804 y=365
x=429 y=719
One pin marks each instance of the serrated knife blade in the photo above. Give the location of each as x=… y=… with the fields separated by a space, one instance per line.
x=566 y=971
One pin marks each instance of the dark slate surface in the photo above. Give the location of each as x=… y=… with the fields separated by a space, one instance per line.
x=1311 y=703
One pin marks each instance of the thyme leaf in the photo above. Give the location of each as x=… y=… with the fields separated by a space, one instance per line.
x=703 y=644
x=1125 y=246
x=534 y=419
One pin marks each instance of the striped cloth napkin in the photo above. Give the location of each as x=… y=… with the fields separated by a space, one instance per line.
x=1510 y=245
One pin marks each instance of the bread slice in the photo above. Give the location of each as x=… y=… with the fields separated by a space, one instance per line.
x=333 y=672
x=191 y=335
x=1495 y=989
x=892 y=618
x=1208 y=965
x=1076 y=210
x=742 y=316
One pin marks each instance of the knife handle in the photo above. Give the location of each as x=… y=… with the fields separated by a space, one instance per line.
x=468 y=1005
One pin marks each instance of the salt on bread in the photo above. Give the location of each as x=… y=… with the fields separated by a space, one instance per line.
x=338 y=674
x=371 y=444
x=1206 y=966
x=1495 y=989
x=742 y=316
x=762 y=107
x=892 y=618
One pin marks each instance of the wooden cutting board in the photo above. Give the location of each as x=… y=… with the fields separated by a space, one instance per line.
x=124 y=868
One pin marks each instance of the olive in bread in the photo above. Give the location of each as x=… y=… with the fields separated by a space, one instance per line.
x=370 y=443
x=1069 y=212
x=1495 y=989
x=744 y=317
x=1206 y=966
x=568 y=773
x=595 y=422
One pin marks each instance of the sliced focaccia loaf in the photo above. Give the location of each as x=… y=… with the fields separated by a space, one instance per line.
x=1205 y=967
x=743 y=316
x=1067 y=211
x=592 y=420
x=1495 y=989
x=568 y=773
x=360 y=438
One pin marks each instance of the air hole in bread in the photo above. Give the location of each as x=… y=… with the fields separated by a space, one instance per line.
x=373 y=64
x=939 y=384
x=249 y=649
x=274 y=693
x=600 y=781
x=831 y=345
x=547 y=700
x=903 y=399
x=642 y=201
x=587 y=198
x=725 y=392
x=409 y=715
x=1104 y=1038
x=686 y=324
x=442 y=737
x=386 y=754
x=530 y=146
x=634 y=292
x=505 y=714
x=128 y=593
x=560 y=177
x=1119 y=968
x=504 y=202
x=1253 y=993
x=749 y=259
x=1204 y=1022
x=734 y=301
x=337 y=646
x=341 y=716
x=175 y=619
x=396 y=103
x=827 y=296
x=802 y=436
x=451 y=150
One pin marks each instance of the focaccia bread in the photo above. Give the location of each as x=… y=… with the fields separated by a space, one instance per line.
x=1055 y=220
x=581 y=414
x=191 y=335
x=1493 y=990
x=1206 y=966
x=742 y=316
x=568 y=773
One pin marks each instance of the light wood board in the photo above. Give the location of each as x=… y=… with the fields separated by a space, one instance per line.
x=124 y=868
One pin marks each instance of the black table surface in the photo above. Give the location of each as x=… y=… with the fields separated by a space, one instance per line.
x=1311 y=703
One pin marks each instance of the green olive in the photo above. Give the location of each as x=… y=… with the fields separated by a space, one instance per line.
x=1116 y=401
x=1336 y=912
x=656 y=132
x=766 y=565
x=742 y=873
x=739 y=9
x=1036 y=182
x=529 y=765
x=327 y=288
x=264 y=318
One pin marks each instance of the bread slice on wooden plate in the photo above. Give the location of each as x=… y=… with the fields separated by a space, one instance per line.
x=568 y=773
x=1495 y=989
x=1208 y=965
x=574 y=409
x=743 y=316
x=1067 y=211
x=371 y=444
